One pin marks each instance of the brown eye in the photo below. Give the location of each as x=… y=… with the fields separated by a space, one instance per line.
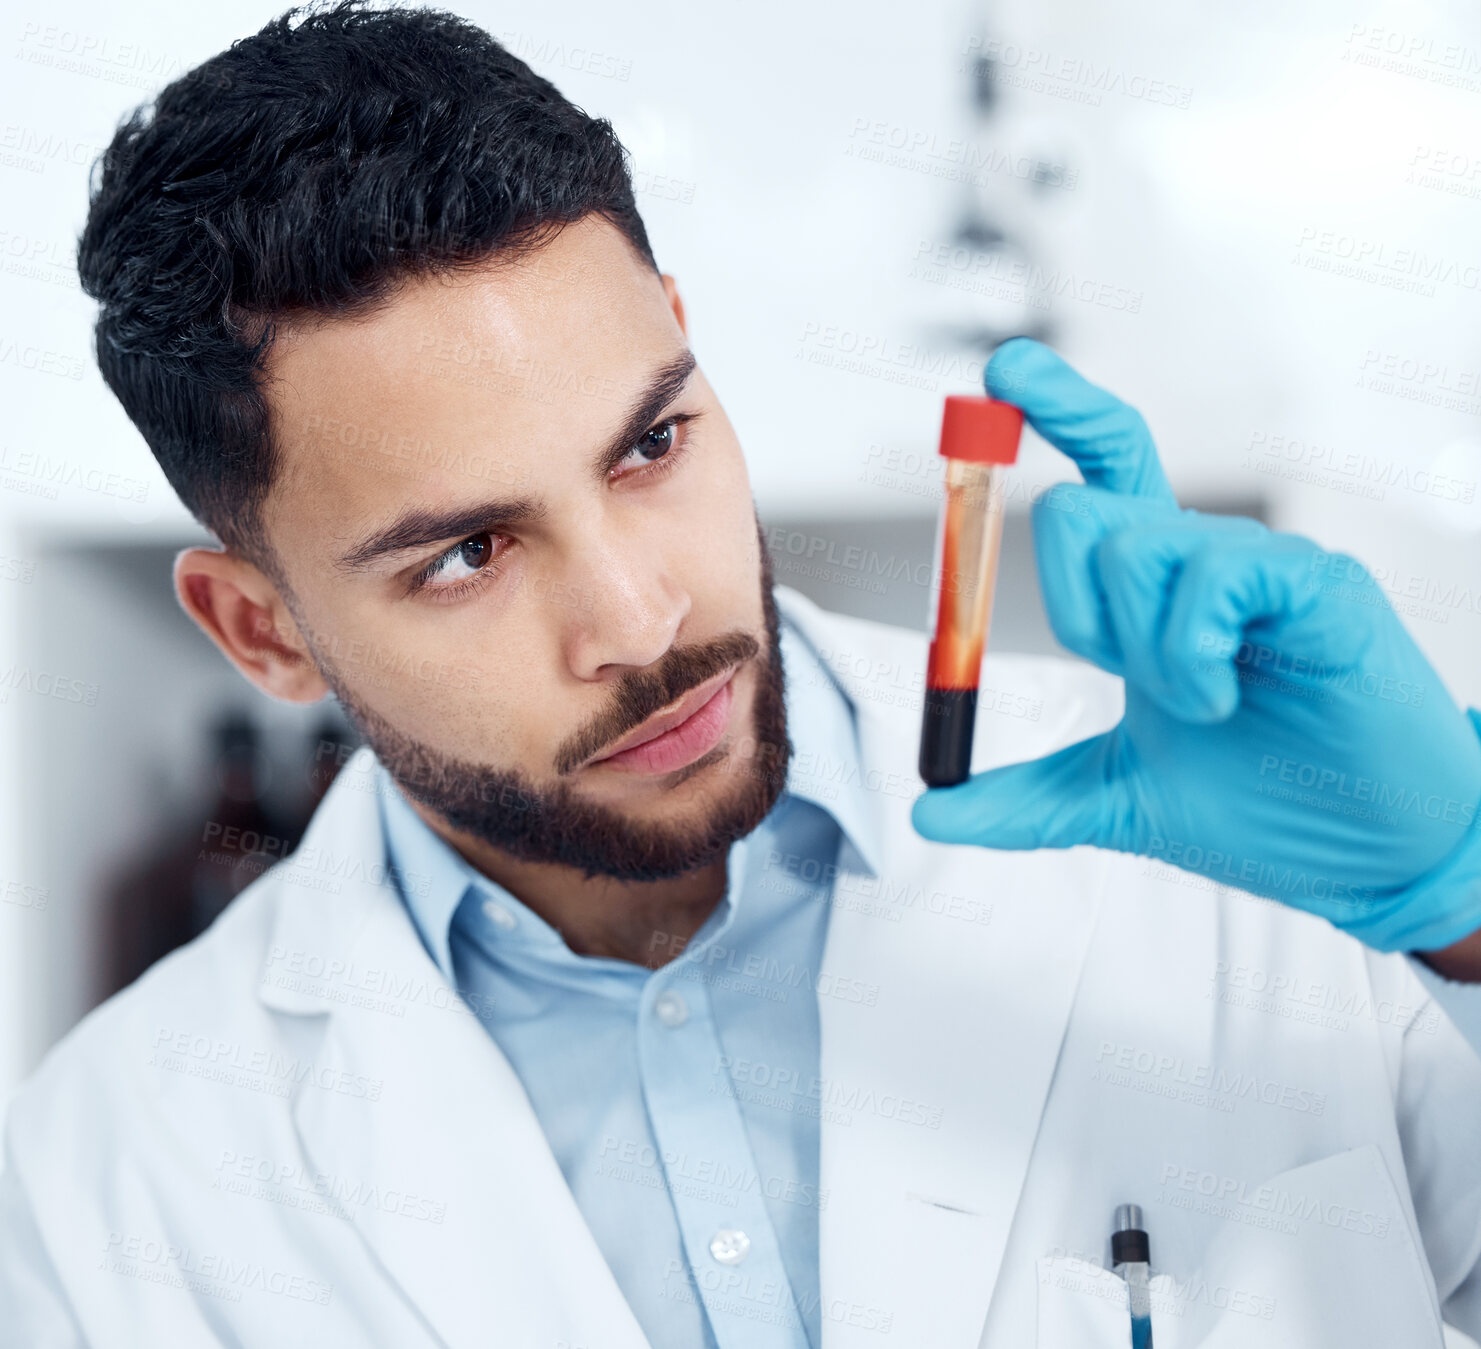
x=475 y=552
x=657 y=442
x=651 y=446
x=458 y=564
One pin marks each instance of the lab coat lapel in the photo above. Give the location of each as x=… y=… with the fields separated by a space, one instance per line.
x=932 y=1095
x=418 y=1122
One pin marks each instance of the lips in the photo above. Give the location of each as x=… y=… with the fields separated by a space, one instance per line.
x=676 y=737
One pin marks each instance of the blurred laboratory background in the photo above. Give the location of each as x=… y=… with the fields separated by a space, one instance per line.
x=1257 y=222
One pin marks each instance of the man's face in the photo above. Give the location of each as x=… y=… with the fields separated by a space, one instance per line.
x=519 y=536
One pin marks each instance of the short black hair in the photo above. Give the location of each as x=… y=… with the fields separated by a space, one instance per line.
x=305 y=171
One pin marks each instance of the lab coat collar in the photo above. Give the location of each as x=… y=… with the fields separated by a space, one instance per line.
x=414 y=1099
x=822 y=724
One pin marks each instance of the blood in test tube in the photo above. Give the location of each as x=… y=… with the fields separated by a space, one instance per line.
x=979 y=438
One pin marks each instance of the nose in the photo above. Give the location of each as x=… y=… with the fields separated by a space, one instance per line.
x=629 y=611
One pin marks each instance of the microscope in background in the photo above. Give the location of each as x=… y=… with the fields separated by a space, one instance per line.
x=989 y=278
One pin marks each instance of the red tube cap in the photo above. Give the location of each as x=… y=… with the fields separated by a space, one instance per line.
x=980 y=430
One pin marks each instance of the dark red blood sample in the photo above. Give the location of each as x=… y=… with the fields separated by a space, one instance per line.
x=978 y=436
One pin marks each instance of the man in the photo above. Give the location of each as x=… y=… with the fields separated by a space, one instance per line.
x=611 y=998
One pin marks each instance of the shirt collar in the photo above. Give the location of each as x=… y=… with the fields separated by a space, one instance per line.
x=825 y=769
x=826 y=766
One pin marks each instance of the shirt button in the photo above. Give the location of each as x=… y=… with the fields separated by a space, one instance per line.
x=729 y=1245
x=670 y=1008
x=499 y=916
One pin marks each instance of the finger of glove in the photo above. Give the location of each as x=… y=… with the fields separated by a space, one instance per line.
x=1142 y=572
x=1246 y=606
x=1072 y=796
x=1069 y=522
x=1107 y=439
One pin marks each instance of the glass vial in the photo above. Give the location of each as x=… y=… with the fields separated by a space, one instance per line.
x=979 y=437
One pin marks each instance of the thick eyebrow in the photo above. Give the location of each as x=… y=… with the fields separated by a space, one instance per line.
x=420 y=526
x=665 y=385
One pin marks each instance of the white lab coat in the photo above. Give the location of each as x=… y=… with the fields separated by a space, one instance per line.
x=1040 y=1037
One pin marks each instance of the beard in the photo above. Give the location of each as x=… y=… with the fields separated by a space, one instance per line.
x=555 y=824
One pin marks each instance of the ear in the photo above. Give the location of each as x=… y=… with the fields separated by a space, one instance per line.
x=671 y=289
x=239 y=609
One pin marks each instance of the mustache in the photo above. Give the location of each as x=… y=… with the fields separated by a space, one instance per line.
x=640 y=694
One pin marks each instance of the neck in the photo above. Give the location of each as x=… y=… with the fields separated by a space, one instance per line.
x=645 y=922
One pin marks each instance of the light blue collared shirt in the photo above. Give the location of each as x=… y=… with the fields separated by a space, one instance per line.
x=681 y=1103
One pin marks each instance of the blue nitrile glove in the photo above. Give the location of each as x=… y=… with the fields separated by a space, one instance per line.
x=1282 y=734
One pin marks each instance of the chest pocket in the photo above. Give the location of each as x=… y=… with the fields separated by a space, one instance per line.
x=1319 y=1255
x=1082 y=1306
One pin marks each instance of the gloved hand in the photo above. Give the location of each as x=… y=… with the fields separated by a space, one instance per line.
x=1282 y=732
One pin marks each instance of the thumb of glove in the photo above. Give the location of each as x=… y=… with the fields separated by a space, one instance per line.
x=1066 y=798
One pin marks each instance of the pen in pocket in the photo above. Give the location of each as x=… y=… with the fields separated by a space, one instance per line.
x=1131 y=1261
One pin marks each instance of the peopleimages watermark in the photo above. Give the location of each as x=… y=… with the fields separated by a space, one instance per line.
x=1196 y=1083
x=795 y=550
x=956 y=159
x=268 y=1071
x=1443 y=170
x=234 y=846
x=876 y=356
x=1072 y=78
x=1291 y=883
x=920 y=473
x=1297 y=997
x=39 y=473
x=412 y=456
x=785 y=1088
x=499 y=367
x=1368 y=798
x=1380 y=263
x=292 y=1185
x=40 y=360
x=1411 y=593
x=1415 y=380
x=997 y=273
x=22 y=895
x=663 y=187
x=198 y=1271
x=758 y=1300
x=710 y=1178
x=760 y=973
x=877 y=896
x=1083 y=1273
x=823 y=774
x=583 y=60
x=382 y=665
x=1417 y=55
x=32 y=150
x=17 y=678
x=1278 y=1201
x=903 y=685
x=1258 y=662
x=1352 y=472
x=38 y=258
x=97 y=55
x=372 y=988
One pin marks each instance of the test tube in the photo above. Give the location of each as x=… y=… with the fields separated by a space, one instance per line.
x=979 y=436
